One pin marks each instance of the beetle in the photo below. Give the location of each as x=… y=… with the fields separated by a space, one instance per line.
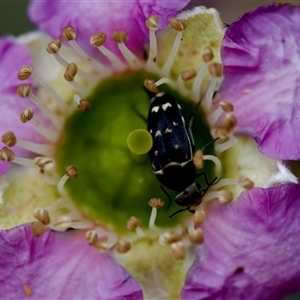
x=172 y=152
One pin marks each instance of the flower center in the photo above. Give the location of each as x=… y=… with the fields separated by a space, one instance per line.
x=114 y=184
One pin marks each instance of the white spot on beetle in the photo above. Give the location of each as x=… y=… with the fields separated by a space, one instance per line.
x=156 y=153
x=155 y=109
x=157 y=133
x=166 y=105
x=175 y=124
x=176 y=146
x=168 y=130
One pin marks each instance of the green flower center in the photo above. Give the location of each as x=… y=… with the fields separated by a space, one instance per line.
x=114 y=184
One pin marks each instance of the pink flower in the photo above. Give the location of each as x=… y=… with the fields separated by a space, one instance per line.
x=95 y=236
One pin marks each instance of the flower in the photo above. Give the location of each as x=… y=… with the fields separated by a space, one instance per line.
x=99 y=202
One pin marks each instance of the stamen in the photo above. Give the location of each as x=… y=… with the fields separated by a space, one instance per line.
x=83 y=105
x=224 y=196
x=216 y=161
x=183 y=77
x=224 y=146
x=199 y=217
x=179 y=26
x=150 y=85
x=8 y=155
x=152 y=25
x=42 y=215
x=120 y=37
x=207 y=56
x=38 y=228
x=168 y=238
x=98 y=41
x=246 y=183
x=10 y=140
x=69 y=35
x=227 y=126
x=243 y=181
x=26 y=71
x=196 y=236
x=91 y=237
x=108 y=244
x=165 y=80
x=70 y=74
x=25 y=91
x=198 y=160
x=53 y=48
x=64 y=222
x=71 y=171
x=216 y=70
x=178 y=250
x=44 y=163
x=224 y=106
x=134 y=224
x=155 y=203
x=123 y=246
x=27 y=115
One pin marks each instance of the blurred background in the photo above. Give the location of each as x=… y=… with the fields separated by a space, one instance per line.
x=13 y=15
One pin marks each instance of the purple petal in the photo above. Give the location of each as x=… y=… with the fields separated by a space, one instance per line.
x=261 y=56
x=89 y=18
x=251 y=248
x=59 y=265
x=13 y=56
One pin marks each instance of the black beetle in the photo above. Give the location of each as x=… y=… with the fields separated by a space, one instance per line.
x=172 y=152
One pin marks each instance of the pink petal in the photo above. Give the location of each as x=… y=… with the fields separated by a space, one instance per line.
x=89 y=18
x=59 y=266
x=261 y=55
x=251 y=248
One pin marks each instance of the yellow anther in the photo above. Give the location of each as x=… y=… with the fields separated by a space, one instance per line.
x=123 y=246
x=71 y=171
x=207 y=54
x=69 y=33
x=152 y=22
x=133 y=223
x=84 y=105
x=188 y=74
x=196 y=236
x=98 y=39
x=26 y=115
x=178 y=24
x=24 y=90
x=70 y=72
x=216 y=69
x=199 y=217
x=9 y=139
x=54 y=46
x=25 y=72
x=150 y=85
x=156 y=203
x=120 y=36
x=198 y=159
x=6 y=154
x=42 y=215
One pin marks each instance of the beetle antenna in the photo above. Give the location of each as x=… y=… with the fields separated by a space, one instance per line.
x=181 y=210
x=177 y=212
x=209 y=143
